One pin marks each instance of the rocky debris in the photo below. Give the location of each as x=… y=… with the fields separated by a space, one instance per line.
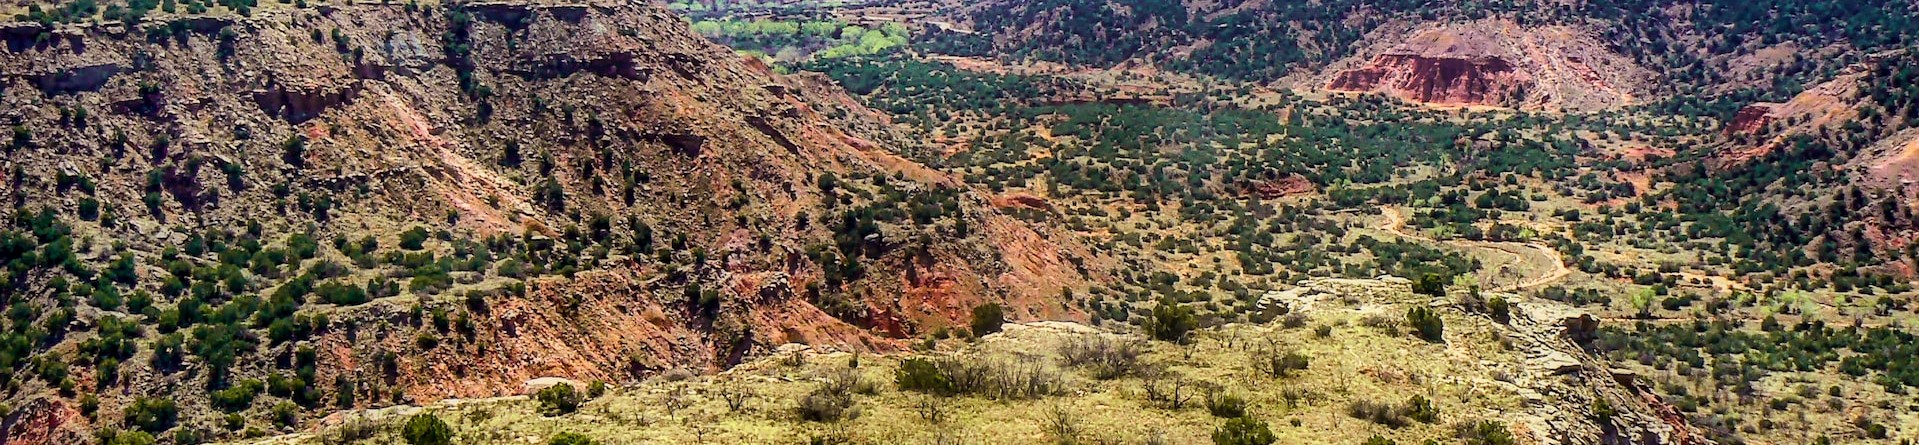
x=407 y=53
x=75 y=79
x=1385 y=289
x=1569 y=381
x=21 y=36
x=1275 y=303
x=551 y=66
x=518 y=15
x=45 y=420
x=298 y=103
x=1573 y=324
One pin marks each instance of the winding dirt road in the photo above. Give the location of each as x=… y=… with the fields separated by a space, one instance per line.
x=1395 y=224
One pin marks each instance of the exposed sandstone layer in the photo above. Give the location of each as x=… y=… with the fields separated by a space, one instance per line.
x=1447 y=80
x=1751 y=119
x=1492 y=63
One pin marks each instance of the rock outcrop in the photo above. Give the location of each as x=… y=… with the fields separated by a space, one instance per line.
x=44 y=420
x=1289 y=185
x=1492 y=63
x=1751 y=119
x=1445 y=80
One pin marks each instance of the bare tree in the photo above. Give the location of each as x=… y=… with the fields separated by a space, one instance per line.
x=736 y=394
x=932 y=409
x=1062 y=425
x=1168 y=389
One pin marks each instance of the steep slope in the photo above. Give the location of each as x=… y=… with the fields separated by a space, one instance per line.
x=1864 y=112
x=1818 y=178
x=582 y=191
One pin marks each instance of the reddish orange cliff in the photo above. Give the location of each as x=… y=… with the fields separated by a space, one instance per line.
x=1437 y=80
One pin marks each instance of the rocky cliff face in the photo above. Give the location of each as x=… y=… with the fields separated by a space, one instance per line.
x=553 y=137
x=1751 y=119
x=1441 y=80
x=1491 y=63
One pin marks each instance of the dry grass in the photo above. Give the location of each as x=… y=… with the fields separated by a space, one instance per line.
x=757 y=402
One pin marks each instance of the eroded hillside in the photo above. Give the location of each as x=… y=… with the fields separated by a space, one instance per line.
x=313 y=208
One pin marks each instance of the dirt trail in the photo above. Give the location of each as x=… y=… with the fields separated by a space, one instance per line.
x=1396 y=224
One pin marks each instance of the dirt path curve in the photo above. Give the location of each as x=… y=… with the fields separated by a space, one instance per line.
x=1396 y=224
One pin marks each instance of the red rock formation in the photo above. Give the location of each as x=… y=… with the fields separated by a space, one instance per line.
x=1280 y=188
x=1022 y=200
x=1751 y=119
x=1440 y=80
x=1492 y=63
x=45 y=421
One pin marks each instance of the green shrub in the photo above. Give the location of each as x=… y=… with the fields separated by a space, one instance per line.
x=570 y=439
x=151 y=414
x=236 y=398
x=89 y=208
x=1105 y=357
x=1171 y=321
x=1244 y=431
x=1281 y=365
x=344 y=294
x=1426 y=323
x=1486 y=432
x=595 y=389
x=987 y=318
x=986 y=378
x=286 y=413
x=426 y=429
x=1224 y=405
x=116 y=437
x=1431 y=284
x=413 y=239
x=1376 y=412
x=1379 y=440
x=426 y=340
x=828 y=403
x=559 y=400
x=188 y=436
x=1501 y=309
x=922 y=375
x=1421 y=409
